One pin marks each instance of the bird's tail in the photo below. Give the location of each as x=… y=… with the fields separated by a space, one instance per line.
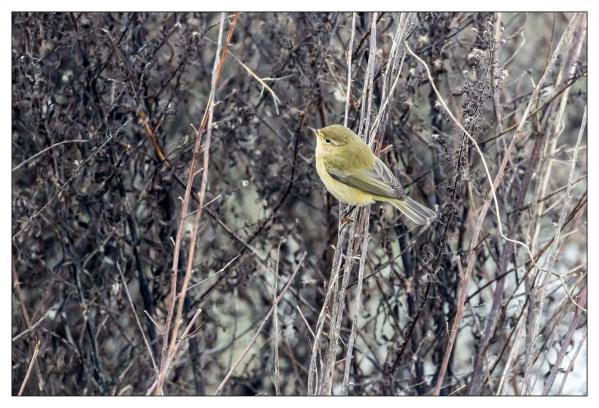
x=416 y=212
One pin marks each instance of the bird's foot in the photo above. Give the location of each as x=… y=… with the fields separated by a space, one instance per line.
x=346 y=216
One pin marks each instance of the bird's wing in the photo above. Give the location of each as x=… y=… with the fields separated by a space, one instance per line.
x=377 y=180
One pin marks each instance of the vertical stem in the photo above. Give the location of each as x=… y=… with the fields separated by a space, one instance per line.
x=349 y=73
x=352 y=336
x=275 y=324
x=169 y=347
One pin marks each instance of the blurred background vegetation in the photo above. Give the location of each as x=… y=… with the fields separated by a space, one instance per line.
x=105 y=115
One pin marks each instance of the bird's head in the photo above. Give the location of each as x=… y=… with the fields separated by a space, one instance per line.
x=333 y=137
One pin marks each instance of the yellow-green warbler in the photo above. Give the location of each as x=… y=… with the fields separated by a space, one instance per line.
x=355 y=176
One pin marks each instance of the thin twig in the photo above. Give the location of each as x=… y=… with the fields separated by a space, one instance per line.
x=31 y=327
x=272 y=93
x=493 y=186
x=566 y=204
x=166 y=346
x=63 y=186
x=184 y=337
x=565 y=343
x=31 y=363
x=499 y=175
x=275 y=323
x=349 y=70
x=24 y=162
x=255 y=337
x=571 y=365
x=141 y=330
x=537 y=293
x=511 y=356
x=387 y=97
x=356 y=316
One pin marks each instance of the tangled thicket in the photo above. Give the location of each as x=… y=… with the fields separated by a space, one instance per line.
x=280 y=297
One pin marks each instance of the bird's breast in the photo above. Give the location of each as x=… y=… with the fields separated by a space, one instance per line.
x=340 y=191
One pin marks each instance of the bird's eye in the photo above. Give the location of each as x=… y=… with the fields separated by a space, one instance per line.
x=327 y=140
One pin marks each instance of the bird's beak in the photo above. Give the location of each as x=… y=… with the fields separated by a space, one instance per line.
x=313 y=131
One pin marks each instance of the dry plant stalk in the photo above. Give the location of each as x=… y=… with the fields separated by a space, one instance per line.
x=277 y=300
x=493 y=186
x=169 y=346
x=321 y=382
x=36 y=350
x=537 y=294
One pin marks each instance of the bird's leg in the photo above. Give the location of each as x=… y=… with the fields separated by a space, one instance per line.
x=346 y=215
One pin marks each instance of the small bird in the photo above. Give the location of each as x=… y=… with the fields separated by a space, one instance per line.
x=355 y=176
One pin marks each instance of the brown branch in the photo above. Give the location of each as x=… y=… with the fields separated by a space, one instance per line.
x=166 y=346
x=31 y=363
x=153 y=140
